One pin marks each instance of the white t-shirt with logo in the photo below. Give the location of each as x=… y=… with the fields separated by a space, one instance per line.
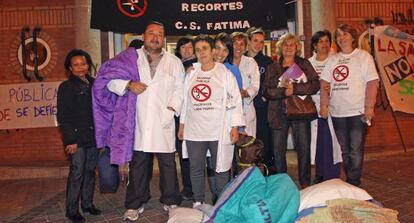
x=205 y=106
x=318 y=66
x=348 y=75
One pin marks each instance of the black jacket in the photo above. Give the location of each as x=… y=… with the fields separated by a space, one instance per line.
x=74 y=112
x=275 y=94
x=262 y=61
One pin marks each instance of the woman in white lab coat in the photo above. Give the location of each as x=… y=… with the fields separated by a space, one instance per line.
x=251 y=80
x=325 y=150
x=211 y=114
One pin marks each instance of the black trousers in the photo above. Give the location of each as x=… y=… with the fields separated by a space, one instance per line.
x=264 y=133
x=81 y=179
x=137 y=192
x=301 y=141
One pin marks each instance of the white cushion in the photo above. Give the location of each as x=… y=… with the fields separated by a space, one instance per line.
x=184 y=215
x=318 y=194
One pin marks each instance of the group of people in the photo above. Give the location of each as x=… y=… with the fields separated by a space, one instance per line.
x=148 y=102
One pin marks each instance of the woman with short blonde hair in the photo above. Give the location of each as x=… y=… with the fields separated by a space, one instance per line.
x=282 y=41
x=279 y=86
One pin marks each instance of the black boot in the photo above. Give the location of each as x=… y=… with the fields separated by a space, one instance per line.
x=92 y=210
x=76 y=218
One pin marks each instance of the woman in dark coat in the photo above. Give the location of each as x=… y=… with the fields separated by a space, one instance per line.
x=276 y=89
x=74 y=114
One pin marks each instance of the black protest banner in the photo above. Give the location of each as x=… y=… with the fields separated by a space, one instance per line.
x=187 y=16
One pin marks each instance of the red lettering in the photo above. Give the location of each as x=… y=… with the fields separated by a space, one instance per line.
x=5 y=115
x=391 y=47
x=410 y=49
x=379 y=46
x=402 y=46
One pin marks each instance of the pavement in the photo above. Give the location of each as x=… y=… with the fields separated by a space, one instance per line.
x=388 y=177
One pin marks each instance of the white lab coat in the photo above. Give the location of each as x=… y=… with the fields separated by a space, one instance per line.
x=251 y=83
x=155 y=127
x=337 y=153
x=232 y=116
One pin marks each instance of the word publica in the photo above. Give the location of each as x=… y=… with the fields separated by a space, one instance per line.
x=201 y=7
x=22 y=94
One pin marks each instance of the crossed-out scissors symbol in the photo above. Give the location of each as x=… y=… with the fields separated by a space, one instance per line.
x=201 y=92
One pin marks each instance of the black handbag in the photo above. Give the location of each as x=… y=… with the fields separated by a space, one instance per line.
x=298 y=108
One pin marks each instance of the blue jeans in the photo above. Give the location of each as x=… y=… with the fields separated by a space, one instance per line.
x=81 y=179
x=301 y=141
x=351 y=132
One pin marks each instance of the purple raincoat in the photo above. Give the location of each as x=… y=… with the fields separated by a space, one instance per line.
x=114 y=116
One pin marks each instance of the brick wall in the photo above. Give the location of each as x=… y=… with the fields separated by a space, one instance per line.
x=57 y=28
x=384 y=132
x=30 y=146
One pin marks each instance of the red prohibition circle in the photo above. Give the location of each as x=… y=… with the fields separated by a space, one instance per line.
x=201 y=92
x=133 y=4
x=340 y=73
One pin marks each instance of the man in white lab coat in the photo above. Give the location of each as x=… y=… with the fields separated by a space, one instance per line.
x=159 y=97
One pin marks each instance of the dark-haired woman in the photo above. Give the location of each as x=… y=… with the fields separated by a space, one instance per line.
x=325 y=149
x=224 y=54
x=185 y=51
x=74 y=114
x=210 y=117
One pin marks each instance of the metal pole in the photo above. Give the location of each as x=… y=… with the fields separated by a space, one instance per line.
x=371 y=44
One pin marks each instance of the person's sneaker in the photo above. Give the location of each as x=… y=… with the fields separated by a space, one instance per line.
x=168 y=207
x=132 y=214
x=196 y=204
